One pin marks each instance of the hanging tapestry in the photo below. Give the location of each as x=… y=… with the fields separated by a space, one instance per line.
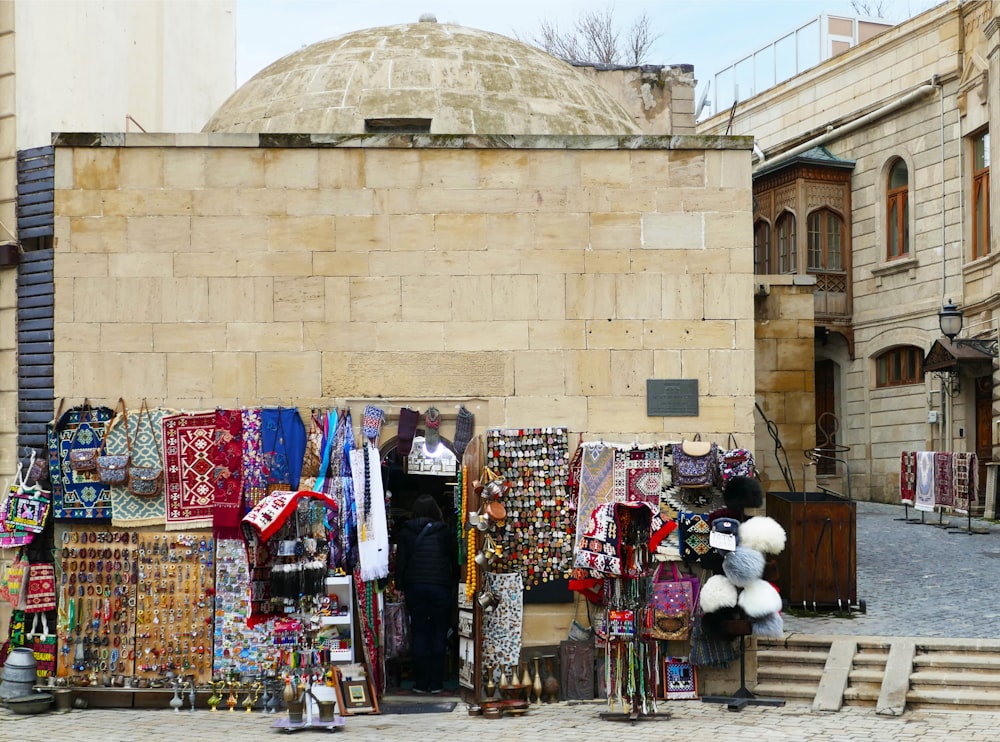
x=373 y=531
x=188 y=467
x=596 y=479
x=370 y=622
x=908 y=477
x=227 y=455
x=128 y=510
x=502 y=626
x=254 y=483
x=945 y=492
x=617 y=535
x=965 y=470
x=283 y=442
x=238 y=647
x=637 y=475
x=77 y=495
x=925 y=482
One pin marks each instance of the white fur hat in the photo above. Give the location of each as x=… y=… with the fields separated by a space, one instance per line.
x=762 y=534
x=760 y=598
x=717 y=593
x=771 y=625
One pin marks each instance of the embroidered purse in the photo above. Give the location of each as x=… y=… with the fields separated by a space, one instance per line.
x=694 y=531
x=145 y=481
x=672 y=604
x=736 y=462
x=696 y=463
x=680 y=679
x=27 y=510
x=83 y=458
x=13 y=582
x=40 y=588
x=113 y=468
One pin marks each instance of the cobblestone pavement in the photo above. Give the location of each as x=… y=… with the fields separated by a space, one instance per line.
x=918 y=579
x=688 y=720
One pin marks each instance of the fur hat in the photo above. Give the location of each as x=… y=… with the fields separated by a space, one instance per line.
x=717 y=593
x=729 y=526
x=743 y=566
x=764 y=534
x=741 y=493
x=770 y=625
x=760 y=598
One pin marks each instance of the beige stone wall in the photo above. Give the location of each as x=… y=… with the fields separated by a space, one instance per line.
x=660 y=99
x=549 y=281
x=786 y=379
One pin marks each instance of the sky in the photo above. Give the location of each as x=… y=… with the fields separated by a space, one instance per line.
x=710 y=34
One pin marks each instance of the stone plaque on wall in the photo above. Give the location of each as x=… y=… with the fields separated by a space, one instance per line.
x=672 y=397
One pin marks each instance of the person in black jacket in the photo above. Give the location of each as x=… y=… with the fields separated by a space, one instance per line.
x=426 y=571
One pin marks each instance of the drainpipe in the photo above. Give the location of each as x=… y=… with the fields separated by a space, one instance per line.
x=857 y=123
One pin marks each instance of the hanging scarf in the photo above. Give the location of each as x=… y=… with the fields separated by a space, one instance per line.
x=227 y=455
x=373 y=531
x=254 y=482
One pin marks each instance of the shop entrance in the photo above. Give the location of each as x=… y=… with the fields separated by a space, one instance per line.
x=423 y=472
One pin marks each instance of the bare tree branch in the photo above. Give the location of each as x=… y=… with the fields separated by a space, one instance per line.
x=596 y=38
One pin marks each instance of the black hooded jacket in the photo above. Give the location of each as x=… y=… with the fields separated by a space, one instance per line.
x=429 y=562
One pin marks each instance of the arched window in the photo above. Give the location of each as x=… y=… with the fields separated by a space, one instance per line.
x=762 y=247
x=898 y=212
x=826 y=241
x=785 y=229
x=899 y=366
x=981 y=195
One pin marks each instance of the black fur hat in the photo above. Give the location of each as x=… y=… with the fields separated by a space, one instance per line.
x=743 y=493
x=718 y=624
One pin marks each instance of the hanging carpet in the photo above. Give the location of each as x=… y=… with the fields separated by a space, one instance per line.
x=188 y=440
x=227 y=455
x=925 y=482
x=128 y=510
x=77 y=495
x=908 y=477
x=945 y=494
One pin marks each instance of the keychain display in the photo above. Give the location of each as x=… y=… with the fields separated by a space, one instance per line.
x=175 y=606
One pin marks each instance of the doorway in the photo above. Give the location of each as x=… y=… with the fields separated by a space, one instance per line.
x=422 y=472
x=984 y=430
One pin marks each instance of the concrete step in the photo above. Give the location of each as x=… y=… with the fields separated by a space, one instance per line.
x=795 y=690
x=955 y=677
x=969 y=660
x=862 y=695
x=866 y=676
x=791 y=656
x=871 y=659
x=952 y=698
x=786 y=673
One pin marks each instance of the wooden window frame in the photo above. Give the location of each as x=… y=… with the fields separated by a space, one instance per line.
x=980 y=198
x=897 y=215
x=785 y=239
x=819 y=239
x=762 y=254
x=900 y=366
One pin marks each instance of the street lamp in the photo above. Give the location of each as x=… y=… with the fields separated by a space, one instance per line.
x=950 y=320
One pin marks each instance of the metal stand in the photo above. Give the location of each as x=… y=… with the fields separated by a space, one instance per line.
x=744 y=696
x=906 y=515
x=968 y=530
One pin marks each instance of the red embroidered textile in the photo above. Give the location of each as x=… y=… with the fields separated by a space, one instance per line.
x=188 y=440
x=227 y=455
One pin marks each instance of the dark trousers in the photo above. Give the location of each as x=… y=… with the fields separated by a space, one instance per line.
x=429 y=607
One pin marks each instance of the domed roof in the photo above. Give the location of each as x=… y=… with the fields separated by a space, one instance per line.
x=463 y=80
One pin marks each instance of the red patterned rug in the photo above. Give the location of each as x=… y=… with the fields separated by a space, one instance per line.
x=188 y=457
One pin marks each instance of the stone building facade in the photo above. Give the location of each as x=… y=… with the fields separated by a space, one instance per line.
x=916 y=100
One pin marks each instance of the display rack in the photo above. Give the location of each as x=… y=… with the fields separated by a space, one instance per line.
x=339 y=613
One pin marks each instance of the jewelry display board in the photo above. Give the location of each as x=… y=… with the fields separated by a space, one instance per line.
x=538 y=539
x=97 y=602
x=175 y=607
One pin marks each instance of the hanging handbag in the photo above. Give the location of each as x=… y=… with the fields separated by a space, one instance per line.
x=84 y=457
x=13 y=582
x=696 y=463
x=37 y=467
x=40 y=588
x=43 y=646
x=28 y=509
x=672 y=605
x=113 y=468
x=736 y=462
x=145 y=481
x=694 y=532
x=13 y=512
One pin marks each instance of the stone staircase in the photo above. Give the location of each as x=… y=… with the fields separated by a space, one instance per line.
x=889 y=674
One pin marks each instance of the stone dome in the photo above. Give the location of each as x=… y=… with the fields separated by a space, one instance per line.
x=461 y=80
